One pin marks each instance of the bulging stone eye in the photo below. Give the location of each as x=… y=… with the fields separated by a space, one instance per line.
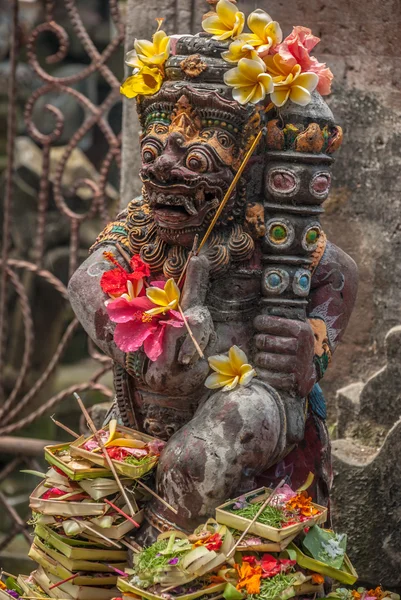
x=283 y=181
x=149 y=153
x=198 y=161
x=320 y=184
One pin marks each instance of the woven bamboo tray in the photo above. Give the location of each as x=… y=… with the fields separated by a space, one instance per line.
x=71 y=548
x=68 y=590
x=124 y=586
x=55 y=568
x=64 y=508
x=131 y=471
x=265 y=531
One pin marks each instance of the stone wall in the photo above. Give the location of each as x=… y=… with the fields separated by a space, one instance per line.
x=360 y=42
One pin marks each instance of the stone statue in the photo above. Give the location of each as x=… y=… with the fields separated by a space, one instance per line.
x=267 y=281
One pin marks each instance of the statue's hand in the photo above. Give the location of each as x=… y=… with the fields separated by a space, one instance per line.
x=179 y=369
x=195 y=311
x=285 y=351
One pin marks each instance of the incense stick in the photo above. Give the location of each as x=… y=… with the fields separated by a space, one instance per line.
x=70 y=578
x=157 y=496
x=96 y=533
x=123 y=254
x=105 y=453
x=191 y=335
x=67 y=429
x=262 y=508
x=121 y=512
x=190 y=255
x=131 y=547
x=230 y=189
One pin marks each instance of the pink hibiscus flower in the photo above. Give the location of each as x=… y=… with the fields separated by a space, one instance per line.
x=295 y=49
x=136 y=328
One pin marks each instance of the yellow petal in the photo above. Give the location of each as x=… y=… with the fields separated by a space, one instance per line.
x=300 y=95
x=172 y=291
x=132 y=60
x=308 y=81
x=227 y=13
x=239 y=24
x=273 y=31
x=257 y=22
x=280 y=96
x=158 y=39
x=112 y=429
x=237 y=358
x=157 y=296
x=144 y=47
x=245 y=369
x=236 y=50
x=247 y=377
x=259 y=94
x=230 y=386
x=212 y=25
x=222 y=364
x=216 y=380
x=234 y=78
x=267 y=82
x=146 y=81
x=157 y=311
x=243 y=95
x=250 y=69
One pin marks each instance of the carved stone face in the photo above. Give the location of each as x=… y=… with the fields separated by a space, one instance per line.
x=188 y=162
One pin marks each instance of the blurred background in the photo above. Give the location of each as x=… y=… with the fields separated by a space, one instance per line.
x=67 y=164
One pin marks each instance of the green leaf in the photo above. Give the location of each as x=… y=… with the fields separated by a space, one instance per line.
x=326 y=546
x=231 y=593
x=13 y=585
x=36 y=473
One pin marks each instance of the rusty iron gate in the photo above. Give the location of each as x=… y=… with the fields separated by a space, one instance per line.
x=17 y=398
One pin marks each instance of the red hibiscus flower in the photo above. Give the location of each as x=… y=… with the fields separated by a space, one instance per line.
x=214 y=542
x=274 y=566
x=118 y=281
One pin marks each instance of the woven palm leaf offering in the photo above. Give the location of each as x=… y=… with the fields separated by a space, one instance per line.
x=270 y=577
x=133 y=453
x=184 y=566
x=9 y=587
x=286 y=514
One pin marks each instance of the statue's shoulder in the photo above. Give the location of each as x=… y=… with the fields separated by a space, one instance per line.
x=117 y=231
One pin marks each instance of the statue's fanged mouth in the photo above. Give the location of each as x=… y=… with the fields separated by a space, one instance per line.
x=180 y=205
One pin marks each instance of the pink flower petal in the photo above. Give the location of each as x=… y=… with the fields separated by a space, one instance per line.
x=153 y=345
x=130 y=336
x=158 y=284
x=122 y=310
x=177 y=316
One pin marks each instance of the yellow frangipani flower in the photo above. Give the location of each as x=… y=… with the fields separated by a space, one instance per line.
x=145 y=81
x=152 y=54
x=289 y=82
x=230 y=370
x=228 y=22
x=238 y=49
x=266 y=34
x=250 y=81
x=166 y=299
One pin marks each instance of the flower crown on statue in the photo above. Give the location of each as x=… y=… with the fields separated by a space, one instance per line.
x=265 y=63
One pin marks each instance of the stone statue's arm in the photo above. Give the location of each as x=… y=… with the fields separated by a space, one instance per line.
x=292 y=355
x=87 y=301
x=179 y=368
